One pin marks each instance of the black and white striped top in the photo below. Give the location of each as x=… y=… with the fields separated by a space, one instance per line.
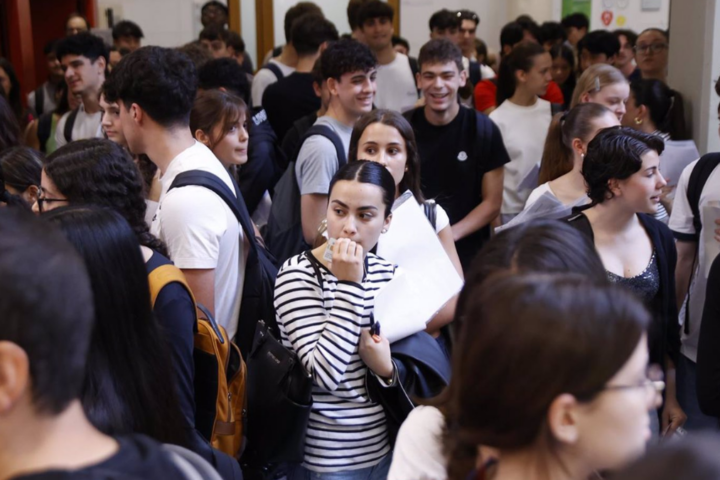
x=346 y=431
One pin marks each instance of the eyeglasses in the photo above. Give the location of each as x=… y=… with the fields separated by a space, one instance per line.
x=654 y=48
x=653 y=384
x=41 y=199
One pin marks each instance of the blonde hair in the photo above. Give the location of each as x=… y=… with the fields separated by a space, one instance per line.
x=594 y=79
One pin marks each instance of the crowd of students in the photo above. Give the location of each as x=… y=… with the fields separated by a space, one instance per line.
x=183 y=199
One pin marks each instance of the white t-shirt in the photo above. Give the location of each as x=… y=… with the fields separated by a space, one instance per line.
x=201 y=232
x=396 y=87
x=539 y=192
x=265 y=77
x=87 y=125
x=523 y=130
x=418 y=450
x=681 y=223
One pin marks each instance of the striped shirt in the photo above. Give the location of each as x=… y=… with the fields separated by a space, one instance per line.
x=322 y=325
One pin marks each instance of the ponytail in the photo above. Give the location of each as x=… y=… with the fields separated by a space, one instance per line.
x=665 y=106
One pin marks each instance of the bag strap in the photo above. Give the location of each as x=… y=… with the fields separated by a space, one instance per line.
x=698 y=178
x=275 y=70
x=475 y=72
x=329 y=133
x=69 y=124
x=40 y=100
x=162 y=276
x=43 y=130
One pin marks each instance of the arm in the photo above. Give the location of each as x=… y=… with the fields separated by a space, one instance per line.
x=313 y=208
x=31 y=135
x=686 y=252
x=673 y=416
x=708 y=355
x=447 y=313
x=202 y=283
x=60 y=131
x=489 y=208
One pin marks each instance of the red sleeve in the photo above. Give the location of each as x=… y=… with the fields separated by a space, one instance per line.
x=553 y=93
x=485 y=95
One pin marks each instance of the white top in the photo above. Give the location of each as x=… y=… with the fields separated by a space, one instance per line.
x=265 y=77
x=681 y=222
x=419 y=449
x=201 y=232
x=523 y=130
x=396 y=87
x=87 y=125
x=539 y=192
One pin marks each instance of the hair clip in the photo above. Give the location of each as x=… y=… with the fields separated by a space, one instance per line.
x=597 y=84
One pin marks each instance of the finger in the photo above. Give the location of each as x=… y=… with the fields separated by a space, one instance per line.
x=359 y=251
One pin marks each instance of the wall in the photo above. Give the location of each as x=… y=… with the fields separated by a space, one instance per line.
x=630 y=14
x=334 y=10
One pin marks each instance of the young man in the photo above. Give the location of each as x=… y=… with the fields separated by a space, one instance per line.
x=352 y=10
x=42 y=100
x=349 y=69
x=511 y=35
x=127 y=34
x=445 y=24
x=84 y=59
x=44 y=433
x=599 y=46
x=293 y=97
x=396 y=88
x=155 y=88
x=212 y=38
x=214 y=13
x=625 y=61
x=461 y=151
x=576 y=26
x=551 y=34
x=224 y=74
x=235 y=46
x=285 y=63
x=469 y=23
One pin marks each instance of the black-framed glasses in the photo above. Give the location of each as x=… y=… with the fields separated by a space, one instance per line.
x=654 y=48
x=41 y=199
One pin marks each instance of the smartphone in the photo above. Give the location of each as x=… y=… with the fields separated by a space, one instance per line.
x=328 y=250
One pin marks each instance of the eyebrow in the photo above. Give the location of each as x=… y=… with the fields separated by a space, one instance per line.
x=367 y=207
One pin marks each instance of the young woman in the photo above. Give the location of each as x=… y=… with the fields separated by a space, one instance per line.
x=605 y=85
x=536 y=246
x=40 y=133
x=651 y=53
x=565 y=148
x=624 y=186
x=9 y=126
x=563 y=70
x=523 y=119
x=128 y=385
x=571 y=400
x=20 y=169
x=385 y=137
x=10 y=87
x=324 y=310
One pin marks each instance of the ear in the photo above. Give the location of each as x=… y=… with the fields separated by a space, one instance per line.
x=14 y=375
x=585 y=97
x=239 y=58
x=506 y=49
x=222 y=89
x=520 y=76
x=323 y=46
x=102 y=63
x=332 y=86
x=202 y=138
x=30 y=194
x=418 y=77
x=386 y=224
x=562 y=419
x=642 y=112
x=137 y=114
x=614 y=186
x=578 y=146
x=611 y=60
x=463 y=77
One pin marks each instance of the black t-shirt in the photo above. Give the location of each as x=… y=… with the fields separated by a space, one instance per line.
x=289 y=99
x=453 y=162
x=139 y=458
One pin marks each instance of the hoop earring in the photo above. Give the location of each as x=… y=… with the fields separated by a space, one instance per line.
x=638 y=121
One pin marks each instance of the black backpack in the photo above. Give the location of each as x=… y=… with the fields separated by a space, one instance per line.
x=284 y=234
x=275 y=70
x=260 y=269
x=69 y=124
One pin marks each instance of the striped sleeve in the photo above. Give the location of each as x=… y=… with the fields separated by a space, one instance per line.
x=324 y=340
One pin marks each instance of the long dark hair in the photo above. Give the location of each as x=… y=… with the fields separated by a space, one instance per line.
x=9 y=126
x=20 y=168
x=522 y=58
x=13 y=97
x=364 y=171
x=128 y=386
x=411 y=179
x=557 y=158
x=560 y=50
x=570 y=335
x=664 y=104
x=101 y=172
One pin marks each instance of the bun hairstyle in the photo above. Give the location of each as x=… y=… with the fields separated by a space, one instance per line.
x=365 y=171
x=664 y=104
x=595 y=78
x=558 y=157
x=570 y=335
x=615 y=153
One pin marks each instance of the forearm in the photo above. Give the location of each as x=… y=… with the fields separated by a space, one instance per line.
x=202 y=284
x=683 y=270
x=313 y=211
x=478 y=218
x=443 y=317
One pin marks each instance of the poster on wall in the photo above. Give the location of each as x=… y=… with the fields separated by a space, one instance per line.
x=577 y=6
x=635 y=15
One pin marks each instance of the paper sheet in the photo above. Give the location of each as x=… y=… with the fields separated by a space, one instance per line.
x=710 y=213
x=427 y=279
x=676 y=156
x=547 y=206
x=531 y=178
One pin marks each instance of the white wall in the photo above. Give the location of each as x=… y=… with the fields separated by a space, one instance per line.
x=334 y=10
x=631 y=14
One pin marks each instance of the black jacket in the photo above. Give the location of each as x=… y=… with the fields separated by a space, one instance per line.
x=664 y=334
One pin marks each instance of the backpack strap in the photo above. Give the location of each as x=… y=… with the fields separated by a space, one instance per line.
x=431 y=212
x=329 y=133
x=164 y=275
x=275 y=70
x=698 y=178
x=69 y=124
x=43 y=130
x=40 y=100
x=475 y=72
x=483 y=132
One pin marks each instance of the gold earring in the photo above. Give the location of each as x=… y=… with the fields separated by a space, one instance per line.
x=638 y=121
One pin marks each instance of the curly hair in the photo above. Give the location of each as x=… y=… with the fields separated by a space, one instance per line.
x=615 y=153
x=101 y=172
x=161 y=81
x=84 y=44
x=440 y=50
x=224 y=73
x=346 y=56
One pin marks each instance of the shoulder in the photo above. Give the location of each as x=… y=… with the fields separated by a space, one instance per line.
x=379 y=267
x=537 y=193
x=656 y=228
x=419 y=447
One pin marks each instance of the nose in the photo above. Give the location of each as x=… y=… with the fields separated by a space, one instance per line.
x=349 y=227
x=243 y=135
x=661 y=180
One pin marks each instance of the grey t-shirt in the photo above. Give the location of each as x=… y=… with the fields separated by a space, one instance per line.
x=317 y=160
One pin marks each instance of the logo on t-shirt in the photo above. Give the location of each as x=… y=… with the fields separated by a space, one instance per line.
x=462 y=156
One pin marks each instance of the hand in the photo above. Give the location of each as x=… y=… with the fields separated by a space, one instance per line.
x=376 y=355
x=667 y=189
x=673 y=417
x=347 y=260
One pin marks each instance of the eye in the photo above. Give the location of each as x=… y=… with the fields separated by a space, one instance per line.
x=338 y=212
x=393 y=151
x=366 y=216
x=370 y=150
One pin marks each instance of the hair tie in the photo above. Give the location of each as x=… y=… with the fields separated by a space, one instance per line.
x=564 y=116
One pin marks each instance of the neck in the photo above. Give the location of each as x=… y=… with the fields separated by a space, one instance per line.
x=523 y=98
x=648 y=127
x=306 y=64
x=611 y=217
x=288 y=56
x=336 y=111
x=442 y=118
x=530 y=465
x=628 y=68
x=647 y=75
x=469 y=53
x=67 y=441
x=386 y=55
x=90 y=101
x=164 y=144
x=574 y=178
